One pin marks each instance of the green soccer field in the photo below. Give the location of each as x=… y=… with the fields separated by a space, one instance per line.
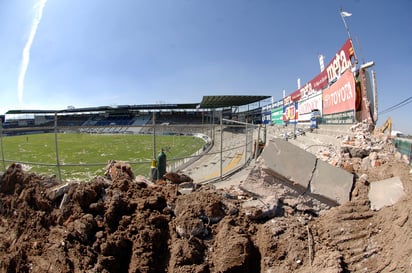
x=94 y=149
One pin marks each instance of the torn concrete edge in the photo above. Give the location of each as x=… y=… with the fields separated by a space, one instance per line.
x=314 y=178
x=285 y=181
x=300 y=189
x=332 y=182
x=289 y=162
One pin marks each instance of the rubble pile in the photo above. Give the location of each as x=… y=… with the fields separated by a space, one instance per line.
x=122 y=222
x=118 y=223
x=361 y=149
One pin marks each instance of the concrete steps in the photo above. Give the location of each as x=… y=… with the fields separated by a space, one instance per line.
x=313 y=141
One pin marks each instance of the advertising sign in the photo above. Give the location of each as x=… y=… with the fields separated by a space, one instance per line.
x=341 y=62
x=336 y=67
x=277 y=116
x=290 y=112
x=306 y=106
x=340 y=96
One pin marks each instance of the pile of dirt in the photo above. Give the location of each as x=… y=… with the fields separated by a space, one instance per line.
x=121 y=223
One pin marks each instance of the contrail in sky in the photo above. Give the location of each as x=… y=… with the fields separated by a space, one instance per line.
x=26 y=51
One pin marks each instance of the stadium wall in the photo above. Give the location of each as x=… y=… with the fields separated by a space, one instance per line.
x=342 y=93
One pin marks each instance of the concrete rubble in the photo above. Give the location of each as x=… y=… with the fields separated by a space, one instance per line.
x=385 y=192
x=291 y=179
x=303 y=172
x=275 y=215
x=372 y=146
x=331 y=183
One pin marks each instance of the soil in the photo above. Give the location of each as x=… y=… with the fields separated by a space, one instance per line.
x=121 y=223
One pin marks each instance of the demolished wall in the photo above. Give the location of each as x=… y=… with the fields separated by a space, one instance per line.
x=118 y=223
x=305 y=173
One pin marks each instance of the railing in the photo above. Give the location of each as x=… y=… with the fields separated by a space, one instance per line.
x=404 y=146
x=228 y=147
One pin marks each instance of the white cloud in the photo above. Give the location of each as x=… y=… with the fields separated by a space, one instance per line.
x=26 y=50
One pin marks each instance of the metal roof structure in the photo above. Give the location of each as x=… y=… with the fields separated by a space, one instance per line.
x=228 y=101
x=207 y=102
x=119 y=108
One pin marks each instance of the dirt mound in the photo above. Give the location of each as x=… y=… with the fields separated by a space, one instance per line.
x=119 y=223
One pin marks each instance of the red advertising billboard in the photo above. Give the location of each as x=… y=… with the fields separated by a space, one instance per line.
x=295 y=96
x=338 y=65
x=341 y=95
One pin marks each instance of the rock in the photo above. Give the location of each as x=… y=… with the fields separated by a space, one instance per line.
x=186 y=187
x=373 y=156
x=191 y=227
x=364 y=179
x=82 y=228
x=347 y=166
x=116 y=170
x=177 y=178
x=376 y=163
x=355 y=151
x=385 y=192
x=366 y=163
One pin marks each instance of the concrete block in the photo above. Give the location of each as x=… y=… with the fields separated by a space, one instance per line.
x=288 y=163
x=385 y=192
x=331 y=182
x=303 y=172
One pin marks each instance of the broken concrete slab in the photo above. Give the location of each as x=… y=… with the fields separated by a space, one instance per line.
x=385 y=192
x=331 y=182
x=270 y=188
x=289 y=162
x=304 y=173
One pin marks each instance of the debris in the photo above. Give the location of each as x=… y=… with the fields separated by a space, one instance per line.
x=120 y=222
x=385 y=192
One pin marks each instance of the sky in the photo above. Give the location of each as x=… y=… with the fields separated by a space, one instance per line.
x=60 y=53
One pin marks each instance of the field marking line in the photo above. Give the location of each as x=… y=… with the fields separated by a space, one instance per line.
x=228 y=167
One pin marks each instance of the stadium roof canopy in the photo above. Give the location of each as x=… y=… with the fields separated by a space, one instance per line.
x=207 y=102
x=119 y=108
x=228 y=101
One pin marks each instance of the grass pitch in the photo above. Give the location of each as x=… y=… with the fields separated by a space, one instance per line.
x=93 y=150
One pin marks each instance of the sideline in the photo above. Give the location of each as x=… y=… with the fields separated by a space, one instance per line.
x=235 y=161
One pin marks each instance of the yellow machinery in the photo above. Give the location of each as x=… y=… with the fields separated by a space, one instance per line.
x=387 y=126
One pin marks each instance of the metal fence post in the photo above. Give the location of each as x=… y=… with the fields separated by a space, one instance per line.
x=154 y=134
x=57 y=148
x=257 y=141
x=221 y=146
x=1 y=145
x=213 y=131
x=246 y=133
x=265 y=134
x=252 y=132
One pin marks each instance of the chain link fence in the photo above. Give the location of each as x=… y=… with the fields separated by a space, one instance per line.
x=225 y=148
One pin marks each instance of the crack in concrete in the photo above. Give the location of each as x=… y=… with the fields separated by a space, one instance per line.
x=311 y=177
